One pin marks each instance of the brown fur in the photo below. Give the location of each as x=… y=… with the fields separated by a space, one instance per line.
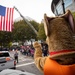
x=59 y=32
x=61 y=36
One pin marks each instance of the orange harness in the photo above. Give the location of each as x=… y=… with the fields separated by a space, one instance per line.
x=51 y=67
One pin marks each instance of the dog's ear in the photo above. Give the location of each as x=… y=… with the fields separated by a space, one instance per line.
x=47 y=24
x=69 y=17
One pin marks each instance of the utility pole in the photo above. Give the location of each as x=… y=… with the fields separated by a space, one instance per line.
x=26 y=20
x=63 y=6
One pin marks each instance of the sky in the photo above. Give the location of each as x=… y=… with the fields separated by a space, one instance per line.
x=34 y=9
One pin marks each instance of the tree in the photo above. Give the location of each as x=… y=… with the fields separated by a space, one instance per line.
x=22 y=31
x=5 y=38
x=73 y=14
x=41 y=32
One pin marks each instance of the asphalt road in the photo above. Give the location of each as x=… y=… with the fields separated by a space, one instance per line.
x=27 y=64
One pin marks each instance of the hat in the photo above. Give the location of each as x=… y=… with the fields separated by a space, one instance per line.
x=59 y=31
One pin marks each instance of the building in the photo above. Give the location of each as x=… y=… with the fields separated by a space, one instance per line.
x=60 y=6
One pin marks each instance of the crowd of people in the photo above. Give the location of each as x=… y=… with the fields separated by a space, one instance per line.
x=27 y=50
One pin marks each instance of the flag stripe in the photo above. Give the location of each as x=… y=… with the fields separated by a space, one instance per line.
x=4 y=24
x=12 y=18
x=10 y=22
x=0 y=23
x=6 y=18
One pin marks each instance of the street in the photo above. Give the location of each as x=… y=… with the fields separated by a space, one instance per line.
x=27 y=64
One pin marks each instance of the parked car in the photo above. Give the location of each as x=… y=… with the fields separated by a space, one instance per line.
x=6 y=61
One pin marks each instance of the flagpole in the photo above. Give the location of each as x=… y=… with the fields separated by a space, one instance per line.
x=26 y=20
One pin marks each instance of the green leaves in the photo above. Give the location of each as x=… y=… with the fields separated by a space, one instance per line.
x=23 y=32
x=41 y=32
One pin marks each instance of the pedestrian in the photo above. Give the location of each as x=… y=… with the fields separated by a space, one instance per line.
x=16 y=55
x=32 y=51
x=45 y=49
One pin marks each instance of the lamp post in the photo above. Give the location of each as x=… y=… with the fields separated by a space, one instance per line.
x=63 y=6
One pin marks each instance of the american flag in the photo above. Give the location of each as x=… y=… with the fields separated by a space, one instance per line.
x=6 y=18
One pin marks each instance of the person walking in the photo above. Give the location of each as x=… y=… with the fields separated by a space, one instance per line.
x=16 y=55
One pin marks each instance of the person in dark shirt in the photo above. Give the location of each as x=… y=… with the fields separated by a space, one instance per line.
x=45 y=49
x=16 y=55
